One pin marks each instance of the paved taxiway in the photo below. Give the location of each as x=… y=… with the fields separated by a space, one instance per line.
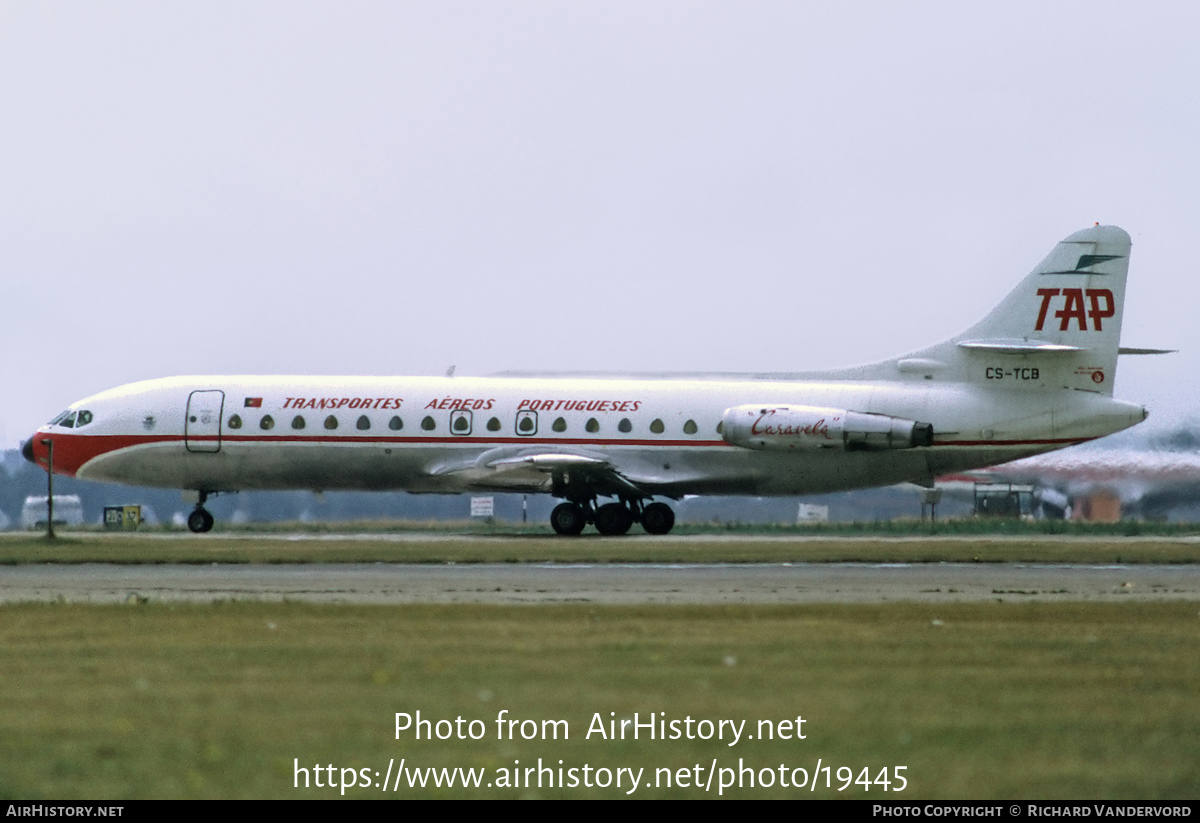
x=607 y=583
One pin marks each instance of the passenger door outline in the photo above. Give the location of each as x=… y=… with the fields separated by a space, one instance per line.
x=202 y=422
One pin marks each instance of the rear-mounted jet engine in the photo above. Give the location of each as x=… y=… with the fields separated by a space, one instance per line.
x=786 y=428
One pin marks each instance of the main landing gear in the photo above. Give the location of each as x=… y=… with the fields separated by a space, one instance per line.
x=612 y=519
x=200 y=521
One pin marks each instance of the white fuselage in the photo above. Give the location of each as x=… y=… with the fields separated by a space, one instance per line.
x=460 y=434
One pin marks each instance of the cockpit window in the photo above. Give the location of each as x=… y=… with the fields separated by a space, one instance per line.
x=72 y=419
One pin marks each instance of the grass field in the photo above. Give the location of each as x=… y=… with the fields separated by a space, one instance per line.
x=715 y=548
x=982 y=526
x=976 y=701
x=900 y=526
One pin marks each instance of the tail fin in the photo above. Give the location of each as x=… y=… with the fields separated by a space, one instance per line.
x=1062 y=323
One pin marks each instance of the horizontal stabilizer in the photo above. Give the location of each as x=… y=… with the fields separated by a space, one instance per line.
x=1131 y=350
x=1019 y=346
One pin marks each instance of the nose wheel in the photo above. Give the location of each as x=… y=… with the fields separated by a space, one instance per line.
x=200 y=521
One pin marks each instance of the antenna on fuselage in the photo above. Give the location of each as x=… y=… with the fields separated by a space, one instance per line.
x=450 y=371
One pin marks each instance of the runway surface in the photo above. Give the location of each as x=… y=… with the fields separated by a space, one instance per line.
x=602 y=584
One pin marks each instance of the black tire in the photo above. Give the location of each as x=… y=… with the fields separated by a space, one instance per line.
x=568 y=519
x=200 y=521
x=613 y=519
x=658 y=518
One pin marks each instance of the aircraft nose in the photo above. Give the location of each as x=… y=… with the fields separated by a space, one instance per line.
x=27 y=450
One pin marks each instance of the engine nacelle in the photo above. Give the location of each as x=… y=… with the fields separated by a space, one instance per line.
x=788 y=428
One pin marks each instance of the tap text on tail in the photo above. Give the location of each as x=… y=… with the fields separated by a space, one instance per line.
x=1036 y=374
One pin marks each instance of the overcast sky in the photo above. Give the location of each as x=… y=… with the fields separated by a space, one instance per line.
x=392 y=188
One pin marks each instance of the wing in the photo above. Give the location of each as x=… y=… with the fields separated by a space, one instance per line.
x=541 y=469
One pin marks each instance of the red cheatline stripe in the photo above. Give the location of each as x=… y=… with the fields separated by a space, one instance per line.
x=466 y=439
x=1060 y=441
x=114 y=442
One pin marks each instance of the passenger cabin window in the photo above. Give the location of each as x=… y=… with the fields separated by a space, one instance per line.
x=625 y=426
x=690 y=427
x=267 y=423
x=428 y=424
x=235 y=422
x=494 y=424
x=527 y=423
x=396 y=424
x=559 y=425
x=593 y=426
x=363 y=423
x=657 y=427
x=298 y=422
x=331 y=422
x=460 y=422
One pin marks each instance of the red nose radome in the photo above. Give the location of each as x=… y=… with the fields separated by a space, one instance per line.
x=70 y=451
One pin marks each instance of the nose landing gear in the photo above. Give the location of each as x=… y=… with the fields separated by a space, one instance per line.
x=200 y=521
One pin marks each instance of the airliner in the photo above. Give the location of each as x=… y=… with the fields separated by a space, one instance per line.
x=1146 y=480
x=1034 y=375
